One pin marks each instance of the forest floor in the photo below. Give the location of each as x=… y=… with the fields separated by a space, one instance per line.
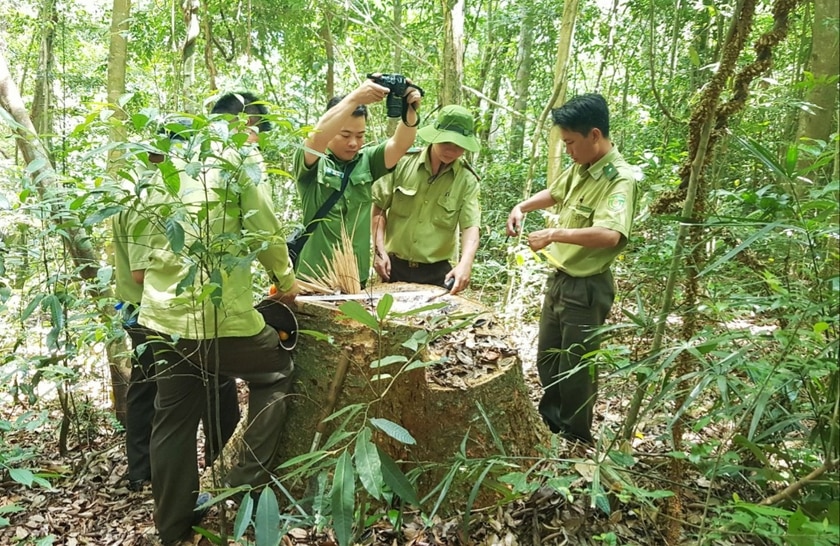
x=89 y=502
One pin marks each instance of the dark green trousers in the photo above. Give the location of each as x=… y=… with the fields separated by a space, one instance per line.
x=140 y=410
x=190 y=367
x=574 y=307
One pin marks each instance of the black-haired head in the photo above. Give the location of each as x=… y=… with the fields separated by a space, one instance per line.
x=360 y=111
x=244 y=101
x=583 y=113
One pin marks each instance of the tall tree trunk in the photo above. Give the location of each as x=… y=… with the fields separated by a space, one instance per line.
x=42 y=102
x=208 y=46
x=76 y=241
x=452 y=65
x=396 y=66
x=329 y=51
x=818 y=121
x=191 y=23
x=561 y=64
x=522 y=83
x=117 y=56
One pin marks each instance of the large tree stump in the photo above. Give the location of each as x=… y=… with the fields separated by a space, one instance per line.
x=478 y=383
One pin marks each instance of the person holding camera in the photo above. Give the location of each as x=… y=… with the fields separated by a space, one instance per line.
x=596 y=197
x=334 y=168
x=418 y=209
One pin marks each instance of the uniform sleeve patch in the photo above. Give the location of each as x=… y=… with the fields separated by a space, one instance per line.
x=616 y=202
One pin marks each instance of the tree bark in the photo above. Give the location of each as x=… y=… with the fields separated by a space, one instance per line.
x=479 y=386
x=41 y=169
x=117 y=56
x=564 y=47
x=818 y=121
x=522 y=83
x=208 y=47
x=452 y=63
x=396 y=66
x=42 y=101
x=191 y=22
x=329 y=52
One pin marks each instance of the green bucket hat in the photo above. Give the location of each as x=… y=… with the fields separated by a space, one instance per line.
x=454 y=124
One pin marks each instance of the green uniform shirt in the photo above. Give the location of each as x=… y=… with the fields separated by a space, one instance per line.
x=131 y=248
x=129 y=254
x=424 y=211
x=231 y=211
x=315 y=184
x=602 y=195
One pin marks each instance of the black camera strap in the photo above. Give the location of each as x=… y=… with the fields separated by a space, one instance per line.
x=331 y=200
x=405 y=106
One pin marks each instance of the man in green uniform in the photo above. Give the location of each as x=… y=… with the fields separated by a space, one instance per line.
x=197 y=293
x=331 y=151
x=418 y=209
x=596 y=197
x=140 y=398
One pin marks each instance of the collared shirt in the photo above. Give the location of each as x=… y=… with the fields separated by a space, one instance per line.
x=601 y=195
x=424 y=210
x=198 y=284
x=315 y=185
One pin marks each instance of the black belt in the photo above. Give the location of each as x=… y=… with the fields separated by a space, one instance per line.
x=413 y=265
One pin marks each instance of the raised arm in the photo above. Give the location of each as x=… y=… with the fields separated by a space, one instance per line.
x=333 y=119
x=404 y=135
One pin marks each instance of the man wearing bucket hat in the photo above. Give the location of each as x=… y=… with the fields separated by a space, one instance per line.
x=418 y=209
x=596 y=197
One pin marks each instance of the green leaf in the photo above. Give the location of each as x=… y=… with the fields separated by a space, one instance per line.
x=396 y=480
x=820 y=327
x=36 y=165
x=175 y=234
x=384 y=306
x=417 y=339
x=354 y=310
x=102 y=214
x=368 y=466
x=393 y=430
x=243 y=517
x=621 y=459
x=267 y=520
x=473 y=494
x=745 y=244
x=341 y=499
x=387 y=361
x=22 y=476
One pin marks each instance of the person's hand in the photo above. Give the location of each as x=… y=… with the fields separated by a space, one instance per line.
x=287 y=297
x=382 y=265
x=538 y=240
x=369 y=92
x=460 y=274
x=514 y=221
x=413 y=97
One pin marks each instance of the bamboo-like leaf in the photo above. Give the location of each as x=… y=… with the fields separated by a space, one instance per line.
x=368 y=466
x=744 y=244
x=341 y=499
x=243 y=517
x=267 y=519
x=393 y=430
x=473 y=494
x=355 y=311
x=384 y=306
x=396 y=480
